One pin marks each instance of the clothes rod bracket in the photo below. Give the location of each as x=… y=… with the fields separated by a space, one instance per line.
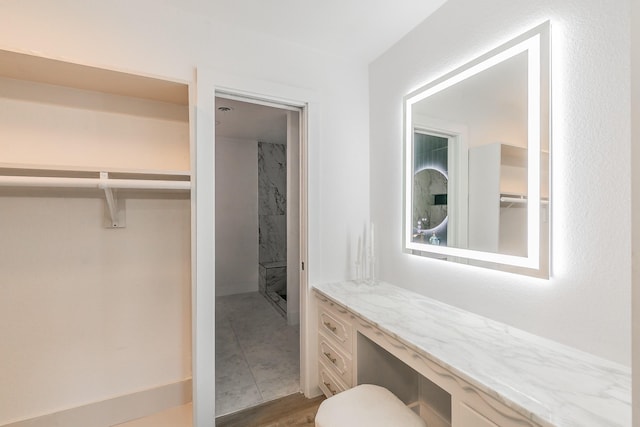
x=114 y=212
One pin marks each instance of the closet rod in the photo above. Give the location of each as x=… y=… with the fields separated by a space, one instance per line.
x=139 y=184
x=508 y=199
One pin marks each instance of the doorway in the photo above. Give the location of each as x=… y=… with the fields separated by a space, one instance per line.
x=257 y=252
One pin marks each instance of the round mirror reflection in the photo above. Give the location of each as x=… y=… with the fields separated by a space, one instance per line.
x=430 y=207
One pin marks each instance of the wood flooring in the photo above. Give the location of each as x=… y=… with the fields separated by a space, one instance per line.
x=289 y=411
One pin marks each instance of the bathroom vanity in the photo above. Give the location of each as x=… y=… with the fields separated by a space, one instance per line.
x=455 y=368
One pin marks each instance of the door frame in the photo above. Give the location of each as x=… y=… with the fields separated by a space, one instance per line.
x=299 y=108
x=209 y=83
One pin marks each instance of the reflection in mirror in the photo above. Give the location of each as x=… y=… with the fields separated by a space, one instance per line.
x=477 y=160
x=430 y=206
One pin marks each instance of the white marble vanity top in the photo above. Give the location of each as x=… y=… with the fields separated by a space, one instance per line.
x=547 y=382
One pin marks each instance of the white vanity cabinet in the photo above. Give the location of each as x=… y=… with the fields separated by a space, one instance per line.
x=457 y=369
x=335 y=347
x=338 y=330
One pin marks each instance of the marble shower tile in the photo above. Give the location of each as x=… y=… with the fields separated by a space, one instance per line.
x=272 y=238
x=272 y=202
x=262 y=280
x=272 y=179
x=277 y=279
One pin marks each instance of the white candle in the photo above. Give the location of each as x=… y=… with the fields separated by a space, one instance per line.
x=358 y=260
x=372 y=242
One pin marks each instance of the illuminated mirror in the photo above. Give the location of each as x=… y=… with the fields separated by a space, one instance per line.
x=477 y=160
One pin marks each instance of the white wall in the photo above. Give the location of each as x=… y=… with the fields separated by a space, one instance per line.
x=585 y=304
x=77 y=322
x=96 y=129
x=293 y=217
x=236 y=216
x=90 y=313
x=159 y=38
x=635 y=197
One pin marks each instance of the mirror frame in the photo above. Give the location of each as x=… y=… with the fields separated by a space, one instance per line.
x=536 y=42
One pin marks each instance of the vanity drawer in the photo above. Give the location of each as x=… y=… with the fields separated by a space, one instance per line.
x=329 y=384
x=337 y=360
x=476 y=409
x=334 y=322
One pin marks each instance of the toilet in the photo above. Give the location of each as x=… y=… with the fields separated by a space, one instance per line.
x=366 y=405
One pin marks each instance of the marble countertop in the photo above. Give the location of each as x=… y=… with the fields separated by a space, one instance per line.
x=548 y=382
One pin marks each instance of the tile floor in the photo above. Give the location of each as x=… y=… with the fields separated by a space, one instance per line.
x=257 y=353
x=257 y=360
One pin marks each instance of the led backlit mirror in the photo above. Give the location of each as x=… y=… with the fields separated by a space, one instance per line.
x=477 y=160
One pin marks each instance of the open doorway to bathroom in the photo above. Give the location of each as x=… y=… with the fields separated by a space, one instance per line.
x=257 y=252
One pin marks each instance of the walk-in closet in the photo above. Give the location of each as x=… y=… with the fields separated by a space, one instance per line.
x=96 y=229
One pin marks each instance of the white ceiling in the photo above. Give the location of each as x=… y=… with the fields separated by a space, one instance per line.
x=359 y=29
x=362 y=29
x=251 y=122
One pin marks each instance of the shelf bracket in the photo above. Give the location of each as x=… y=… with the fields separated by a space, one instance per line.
x=114 y=212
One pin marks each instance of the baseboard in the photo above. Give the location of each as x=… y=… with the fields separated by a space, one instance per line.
x=293 y=317
x=117 y=410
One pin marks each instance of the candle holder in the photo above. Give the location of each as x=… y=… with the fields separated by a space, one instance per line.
x=359 y=273
x=371 y=279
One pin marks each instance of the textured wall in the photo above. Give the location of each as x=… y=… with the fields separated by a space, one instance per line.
x=585 y=304
x=635 y=195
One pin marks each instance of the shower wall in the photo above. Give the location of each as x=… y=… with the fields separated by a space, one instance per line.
x=272 y=201
x=272 y=221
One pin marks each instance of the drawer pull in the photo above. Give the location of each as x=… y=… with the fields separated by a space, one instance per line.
x=332 y=359
x=328 y=385
x=331 y=328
